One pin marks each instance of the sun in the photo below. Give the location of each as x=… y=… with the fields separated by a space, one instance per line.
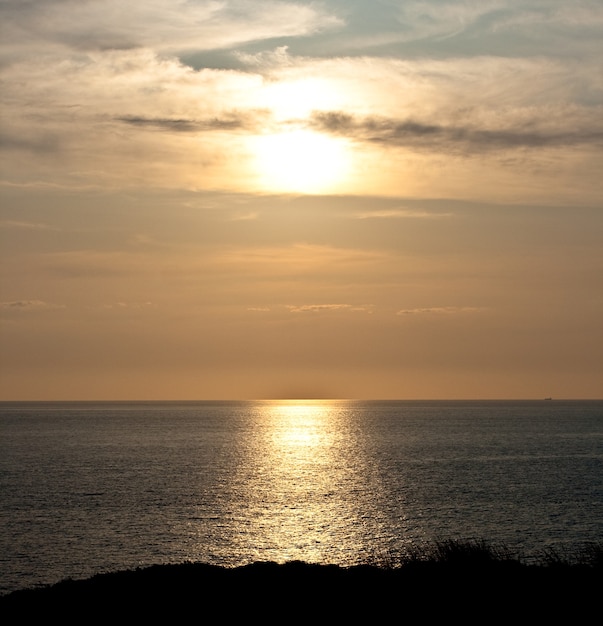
x=300 y=161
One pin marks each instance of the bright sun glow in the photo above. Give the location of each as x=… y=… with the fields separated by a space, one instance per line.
x=296 y=99
x=301 y=161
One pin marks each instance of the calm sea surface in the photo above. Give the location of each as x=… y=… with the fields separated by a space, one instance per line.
x=94 y=487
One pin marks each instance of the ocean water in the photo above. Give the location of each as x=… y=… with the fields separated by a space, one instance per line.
x=95 y=487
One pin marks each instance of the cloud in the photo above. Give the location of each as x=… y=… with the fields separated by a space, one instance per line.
x=25 y=225
x=401 y=214
x=317 y=307
x=277 y=58
x=314 y=308
x=486 y=27
x=94 y=264
x=100 y=94
x=440 y=310
x=43 y=143
x=29 y=305
x=295 y=259
x=451 y=138
x=129 y=305
x=187 y=125
x=166 y=25
x=244 y=217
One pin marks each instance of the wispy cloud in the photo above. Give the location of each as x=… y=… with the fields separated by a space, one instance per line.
x=244 y=217
x=401 y=214
x=440 y=310
x=169 y=25
x=235 y=122
x=25 y=140
x=25 y=225
x=482 y=27
x=314 y=308
x=452 y=138
x=29 y=305
x=295 y=259
x=129 y=305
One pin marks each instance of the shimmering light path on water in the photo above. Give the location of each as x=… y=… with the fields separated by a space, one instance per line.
x=308 y=485
x=90 y=487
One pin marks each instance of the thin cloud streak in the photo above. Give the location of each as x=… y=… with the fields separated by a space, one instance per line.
x=403 y=214
x=316 y=308
x=454 y=139
x=441 y=310
x=9 y=224
x=186 y=125
x=29 y=305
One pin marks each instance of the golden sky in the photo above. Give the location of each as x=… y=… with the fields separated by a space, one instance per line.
x=349 y=198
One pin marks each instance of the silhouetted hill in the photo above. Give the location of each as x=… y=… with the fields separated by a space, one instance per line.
x=473 y=585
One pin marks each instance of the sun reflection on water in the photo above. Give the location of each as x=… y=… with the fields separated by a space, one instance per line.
x=308 y=490
x=300 y=424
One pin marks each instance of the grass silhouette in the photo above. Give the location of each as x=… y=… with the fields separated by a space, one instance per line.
x=472 y=580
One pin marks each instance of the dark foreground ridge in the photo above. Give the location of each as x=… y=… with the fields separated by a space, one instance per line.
x=471 y=581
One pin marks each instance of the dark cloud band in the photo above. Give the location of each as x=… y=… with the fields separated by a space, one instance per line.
x=415 y=134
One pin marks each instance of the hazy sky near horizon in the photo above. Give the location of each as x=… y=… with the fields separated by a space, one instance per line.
x=255 y=199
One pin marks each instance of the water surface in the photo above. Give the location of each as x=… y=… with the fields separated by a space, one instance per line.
x=92 y=487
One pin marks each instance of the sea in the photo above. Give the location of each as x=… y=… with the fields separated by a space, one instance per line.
x=95 y=487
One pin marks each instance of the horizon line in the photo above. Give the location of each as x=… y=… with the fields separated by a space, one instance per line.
x=311 y=399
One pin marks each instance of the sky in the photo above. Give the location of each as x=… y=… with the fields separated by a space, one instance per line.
x=236 y=199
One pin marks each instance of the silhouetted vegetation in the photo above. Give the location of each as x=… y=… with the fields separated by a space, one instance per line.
x=472 y=580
